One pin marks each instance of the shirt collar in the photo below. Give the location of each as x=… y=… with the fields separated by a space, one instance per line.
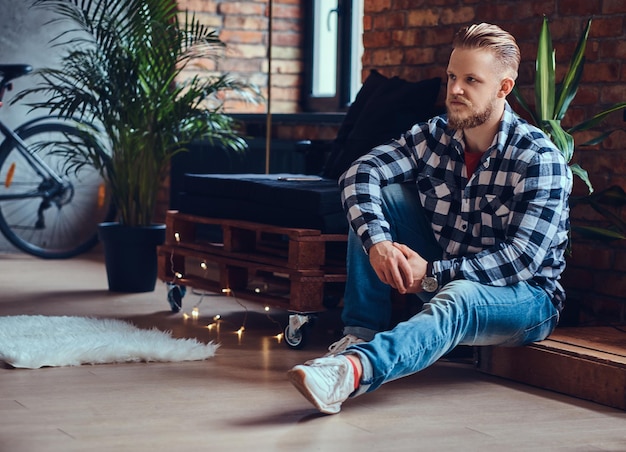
x=501 y=138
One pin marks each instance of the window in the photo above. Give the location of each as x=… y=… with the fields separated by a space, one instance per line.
x=334 y=49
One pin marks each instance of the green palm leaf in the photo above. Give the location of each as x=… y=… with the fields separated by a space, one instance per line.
x=571 y=80
x=121 y=70
x=544 y=79
x=551 y=105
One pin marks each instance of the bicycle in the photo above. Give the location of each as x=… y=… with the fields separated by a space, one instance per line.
x=47 y=209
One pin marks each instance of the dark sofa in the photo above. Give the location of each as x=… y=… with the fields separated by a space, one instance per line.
x=383 y=109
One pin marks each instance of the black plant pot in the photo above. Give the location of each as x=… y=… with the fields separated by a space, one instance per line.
x=130 y=255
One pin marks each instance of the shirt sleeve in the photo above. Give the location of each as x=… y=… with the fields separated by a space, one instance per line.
x=361 y=187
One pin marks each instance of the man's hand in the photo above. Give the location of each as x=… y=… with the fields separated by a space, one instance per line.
x=398 y=265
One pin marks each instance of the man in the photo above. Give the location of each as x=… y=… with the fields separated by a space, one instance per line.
x=469 y=211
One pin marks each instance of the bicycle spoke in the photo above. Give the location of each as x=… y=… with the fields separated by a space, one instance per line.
x=68 y=213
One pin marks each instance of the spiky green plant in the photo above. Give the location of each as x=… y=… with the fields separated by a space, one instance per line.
x=552 y=101
x=121 y=69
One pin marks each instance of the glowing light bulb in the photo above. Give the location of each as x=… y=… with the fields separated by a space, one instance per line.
x=239 y=333
x=179 y=275
x=194 y=313
x=267 y=308
x=217 y=317
x=226 y=291
x=279 y=337
x=177 y=236
x=203 y=266
x=185 y=316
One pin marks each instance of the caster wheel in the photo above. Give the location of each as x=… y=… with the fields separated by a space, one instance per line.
x=175 y=294
x=296 y=339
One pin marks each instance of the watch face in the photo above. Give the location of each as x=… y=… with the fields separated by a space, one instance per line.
x=429 y=284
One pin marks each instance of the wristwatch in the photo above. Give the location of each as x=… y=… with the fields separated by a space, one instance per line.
x=429 y=283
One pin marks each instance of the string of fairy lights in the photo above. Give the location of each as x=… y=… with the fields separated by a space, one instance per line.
x=194 y=314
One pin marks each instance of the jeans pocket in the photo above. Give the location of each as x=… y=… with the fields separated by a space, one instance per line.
x=535 y=333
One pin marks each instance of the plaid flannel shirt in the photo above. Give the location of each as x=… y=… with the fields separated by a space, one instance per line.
x=508 y=223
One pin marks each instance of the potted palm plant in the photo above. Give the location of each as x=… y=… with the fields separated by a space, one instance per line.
x=121 y=71
x=552 y=101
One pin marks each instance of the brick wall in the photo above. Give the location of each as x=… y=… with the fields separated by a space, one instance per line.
x=243 y=26
x=412 y=38
x=414 y=42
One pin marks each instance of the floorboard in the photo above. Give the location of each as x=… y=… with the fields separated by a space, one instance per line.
x=241 y=400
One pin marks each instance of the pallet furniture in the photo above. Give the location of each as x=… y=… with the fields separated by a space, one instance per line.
x=584 y=362
x=290 y=268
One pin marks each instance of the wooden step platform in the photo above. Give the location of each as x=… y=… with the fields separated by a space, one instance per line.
x=290 y=268
x=584 y=362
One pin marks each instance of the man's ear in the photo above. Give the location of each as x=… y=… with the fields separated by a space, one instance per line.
x=506 y=86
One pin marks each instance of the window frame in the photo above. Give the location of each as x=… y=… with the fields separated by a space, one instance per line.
x=344 y=90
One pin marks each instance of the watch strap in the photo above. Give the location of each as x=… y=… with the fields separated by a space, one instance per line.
x=429 y=269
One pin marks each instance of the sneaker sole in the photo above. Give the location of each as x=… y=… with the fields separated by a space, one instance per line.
x=297 y=378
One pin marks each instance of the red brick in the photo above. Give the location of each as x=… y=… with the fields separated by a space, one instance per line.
x=392 y=21
x=423 y=18
x=197 y=5
x=601 y=72
x=399 y=5
x=611 y=49
x=241 y=36
x=418 y=56
x=616 y=142
x=606 y=27
x=241 y=8
x=287 y=11
x=579 y=8
x=406 y=38
x=376 y=6
x=368 y=23
x=377 y=39
x=458 y=15
x=388 y=57
x=613 y=7
x=440 y=36
x=245 y=23
x=498 y=13
x=286 y=39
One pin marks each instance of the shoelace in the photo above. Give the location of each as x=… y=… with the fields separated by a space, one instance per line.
x=343 y=343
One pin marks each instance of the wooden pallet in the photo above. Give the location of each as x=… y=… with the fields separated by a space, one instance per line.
x=584 y=362
x=290 y=268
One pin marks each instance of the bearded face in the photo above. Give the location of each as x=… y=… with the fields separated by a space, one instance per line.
x=462 y=114
x=474 y=88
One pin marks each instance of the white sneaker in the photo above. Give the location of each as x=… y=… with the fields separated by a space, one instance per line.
x=342 y=344
x=325 y=382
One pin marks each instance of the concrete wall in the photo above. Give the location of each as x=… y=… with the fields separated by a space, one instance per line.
x=24 y=38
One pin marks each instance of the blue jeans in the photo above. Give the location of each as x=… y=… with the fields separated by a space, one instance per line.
x=461 y=313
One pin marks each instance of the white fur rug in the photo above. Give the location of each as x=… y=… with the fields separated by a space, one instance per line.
x=39 y=341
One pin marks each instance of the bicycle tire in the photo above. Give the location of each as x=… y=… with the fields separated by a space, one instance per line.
x=70 y=223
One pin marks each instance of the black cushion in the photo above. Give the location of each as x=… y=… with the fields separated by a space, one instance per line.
x=383 y=109
x=288 y=200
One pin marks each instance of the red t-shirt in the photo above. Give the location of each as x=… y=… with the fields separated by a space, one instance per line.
x=471 y=162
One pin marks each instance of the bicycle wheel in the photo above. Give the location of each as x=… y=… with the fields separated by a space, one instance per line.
x=59 y=222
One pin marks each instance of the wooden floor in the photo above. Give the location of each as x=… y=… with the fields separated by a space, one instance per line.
x=241 y=400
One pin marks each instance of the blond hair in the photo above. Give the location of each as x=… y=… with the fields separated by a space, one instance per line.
x=494 y=39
